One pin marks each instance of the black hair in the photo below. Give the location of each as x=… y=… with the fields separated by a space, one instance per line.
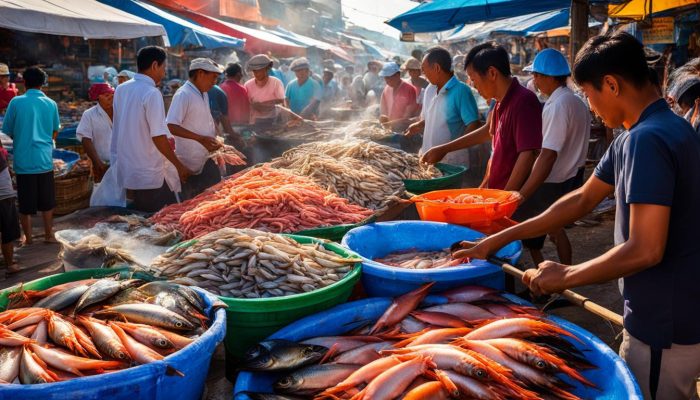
x=687 y=99
x=34 y=77
x=440 y=56
x=561 y=79
x=654 y=78
x=487 y=55
x=233 y=70
x=417 y=54
x=147 y=55
x=192 y=73
x=618 y=54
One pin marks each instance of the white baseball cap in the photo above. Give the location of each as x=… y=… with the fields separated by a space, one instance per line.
x=206 y=64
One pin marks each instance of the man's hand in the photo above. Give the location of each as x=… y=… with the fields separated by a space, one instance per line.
x=209 y=143
x=383 y=119
x=414 y=129
x=98 y=170
x=549 y=277
x=433 y=155
x=262 y=107
x=479 y=250
x=184 y=173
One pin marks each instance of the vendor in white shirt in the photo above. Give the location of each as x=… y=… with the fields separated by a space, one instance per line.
x=95 y=128
x=190 y=121
x=141 y=154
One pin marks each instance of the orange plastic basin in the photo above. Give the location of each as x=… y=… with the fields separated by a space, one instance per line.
x=497 y=204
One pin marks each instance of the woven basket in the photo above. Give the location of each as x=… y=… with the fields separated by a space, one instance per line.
x=73 y=192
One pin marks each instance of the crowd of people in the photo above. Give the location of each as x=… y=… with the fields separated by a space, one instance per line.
x=539 y=149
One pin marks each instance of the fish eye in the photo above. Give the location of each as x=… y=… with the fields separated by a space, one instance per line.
x=252 y=353
x=162 y=343
x=480 y=373
x=179 y=324
x=540 y=364
x=287 y=381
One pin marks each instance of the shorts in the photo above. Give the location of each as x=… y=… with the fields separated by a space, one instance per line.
x=152 y=200
x=9 y=221
x=36 y=192
x=196 y=184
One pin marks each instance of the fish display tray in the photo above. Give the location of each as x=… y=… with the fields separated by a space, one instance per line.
x=451 y=179
x=613 y=378
x=383 y=238
x=144 y=382
x=251 y=320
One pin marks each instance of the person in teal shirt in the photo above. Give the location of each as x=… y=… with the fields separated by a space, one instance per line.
x=303 y=95
x=32 y=122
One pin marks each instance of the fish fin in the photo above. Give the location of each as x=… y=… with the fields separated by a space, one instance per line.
x=330 y=353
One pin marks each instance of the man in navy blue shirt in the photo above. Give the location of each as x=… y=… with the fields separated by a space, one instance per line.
x=654 y=171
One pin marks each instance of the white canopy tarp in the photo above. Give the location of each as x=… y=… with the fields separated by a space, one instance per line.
x=85 y=18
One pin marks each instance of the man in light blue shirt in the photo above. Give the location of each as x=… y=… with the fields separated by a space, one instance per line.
x=303 y=95
x=33 y=123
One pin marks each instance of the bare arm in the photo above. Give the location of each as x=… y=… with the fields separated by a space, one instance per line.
x=54 y=135
x=163 y=145
x=209 y=143
x=540 y=171
x=98 y=166
x=474 y=134
x=521 y=170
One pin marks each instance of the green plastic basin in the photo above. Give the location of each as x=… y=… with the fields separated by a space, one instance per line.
x=336 y=232
x=251 y=320
x=451 y=179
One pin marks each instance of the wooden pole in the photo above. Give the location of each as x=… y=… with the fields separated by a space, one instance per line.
x=579 y=27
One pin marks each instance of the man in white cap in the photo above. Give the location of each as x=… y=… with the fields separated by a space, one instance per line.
x=7 y=90
x=412 y=66
x=123 y=76
x=190 y=121
x=264 y=91
x=303 y=95
x=398 y=104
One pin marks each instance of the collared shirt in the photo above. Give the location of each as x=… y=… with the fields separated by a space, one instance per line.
x=566 y=129
x=658 y=162
x=238 y=102
x=400 y=102
x=518 y=121
x=31 y=120
x=273 y=90
x=300 y=96
x=6 y=95
x=446 y=113
x=96 y=125
x=218 y=103
x=331 y=91
x=139 y=116
x=190 y=110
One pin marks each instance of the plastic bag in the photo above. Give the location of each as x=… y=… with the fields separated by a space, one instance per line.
x=108 y=192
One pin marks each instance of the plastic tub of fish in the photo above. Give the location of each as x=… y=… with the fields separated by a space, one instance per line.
x=606 y=371
x=384 y=238
x=451 y=179
x=180 y=375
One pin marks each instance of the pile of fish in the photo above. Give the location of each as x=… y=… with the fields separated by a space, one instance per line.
x=227 y=154
x=476 y=345
x=464 y=198
x=394 y=163
x=95 y=326
x=370 y=130
x=349 y=178
x=414 y=259
x=263 y=198
x=245 y=263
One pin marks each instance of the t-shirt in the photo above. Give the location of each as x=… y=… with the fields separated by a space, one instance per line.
x=7 y=94
x=518 y=121
x=331 y=91
x=566 y=129
x=31 y=120
x=300 y=96
x=6 y=189
x=218 y=103
x=446 y=113
x=658 y=162
x=273 y=90
x=238 y=102
x=400 y=102
x=96 y=125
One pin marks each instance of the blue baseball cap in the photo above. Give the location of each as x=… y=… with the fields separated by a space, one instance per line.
x=389 y=69
x=549 y=62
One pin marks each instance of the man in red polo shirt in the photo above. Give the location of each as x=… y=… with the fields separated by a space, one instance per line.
x=7 y=89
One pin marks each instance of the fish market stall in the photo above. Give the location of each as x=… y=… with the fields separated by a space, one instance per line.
x=469 y=342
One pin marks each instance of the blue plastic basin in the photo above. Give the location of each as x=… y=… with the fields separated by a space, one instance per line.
x=613 y=378
x=145 y=382
x=382 y=238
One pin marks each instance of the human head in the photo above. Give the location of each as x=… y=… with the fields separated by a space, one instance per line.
x=98 y=89
x=34 y=77
x=549 y=71
x=203 y=73
x=391 y=72
x=486 y=65
x=260 y=65
x=234 y=71
x=417 y=54
x=4 y=75
x=437 y=64
x=301 y=69
x=150 y=61
x=374 y=66
x=610 y=68
x=346 y=81
x=683 y=91
x=412 y=66
x=123 y=76
x=327 y=75
x=350 y=69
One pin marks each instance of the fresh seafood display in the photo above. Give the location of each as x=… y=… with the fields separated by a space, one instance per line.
x=262 y=198
x=463 y=199
x=394 y=163
x=227 y=154
x=246 y=263
x=477 y=345
x=95 y=326
x=370 y=130
x=349 y=178
x=414 y=259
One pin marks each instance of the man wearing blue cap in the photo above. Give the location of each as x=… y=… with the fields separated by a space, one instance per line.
x=398 y=104
x=566 y=128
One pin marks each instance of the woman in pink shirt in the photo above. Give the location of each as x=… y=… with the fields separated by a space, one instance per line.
x=264 y=91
